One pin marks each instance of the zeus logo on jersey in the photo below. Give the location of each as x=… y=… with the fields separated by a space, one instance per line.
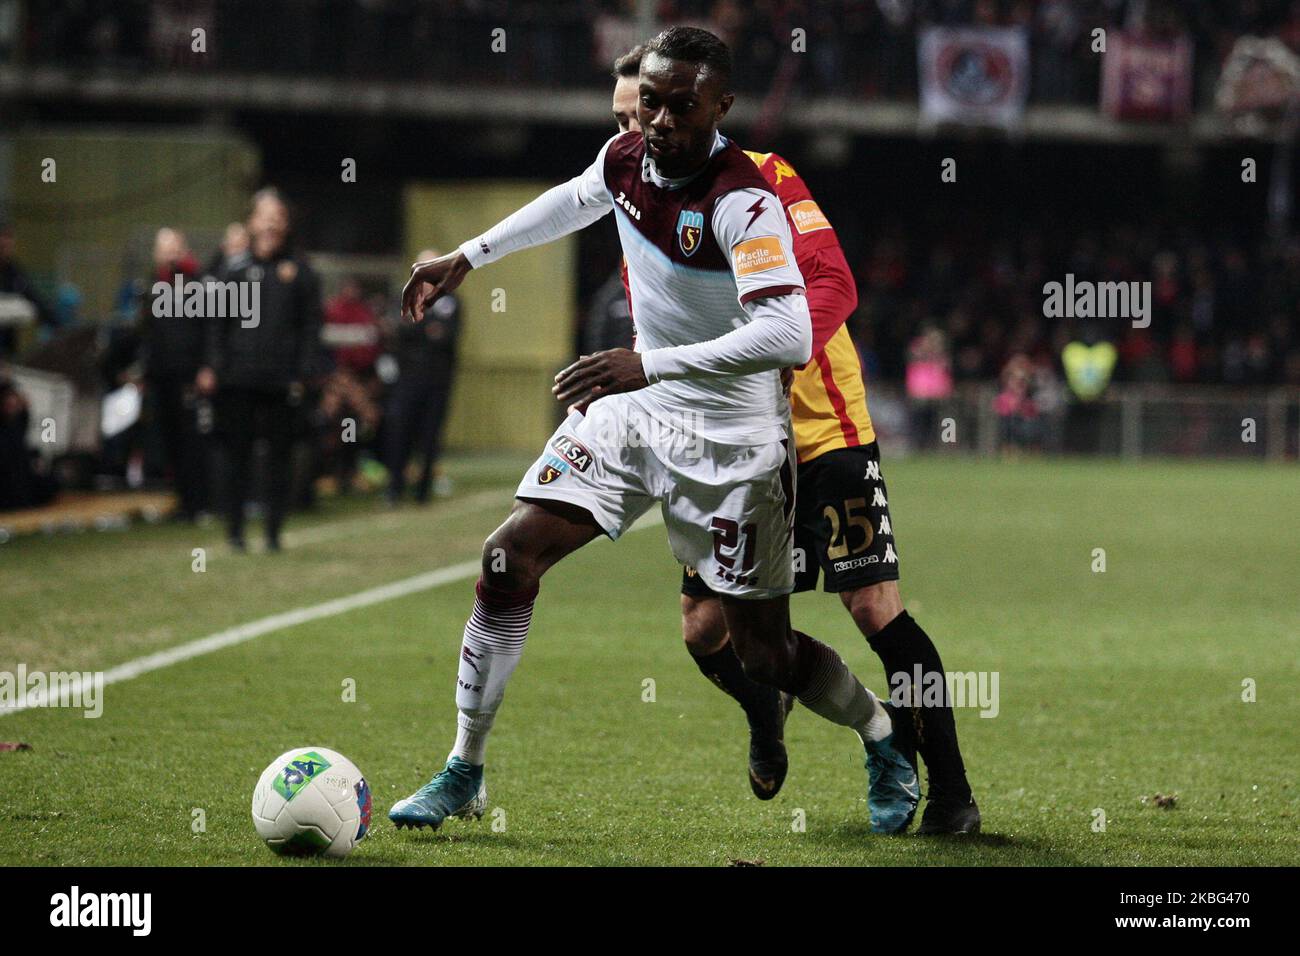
x=631 y=209
x=690 y=227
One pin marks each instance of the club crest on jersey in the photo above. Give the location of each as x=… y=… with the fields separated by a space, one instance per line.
x=573 y=452
x=690 y=230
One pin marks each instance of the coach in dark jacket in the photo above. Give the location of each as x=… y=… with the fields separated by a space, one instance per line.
x=171 y=356
x=261 y=351
x=417 y=408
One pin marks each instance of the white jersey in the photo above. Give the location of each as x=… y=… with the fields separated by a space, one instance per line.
x=717 y=298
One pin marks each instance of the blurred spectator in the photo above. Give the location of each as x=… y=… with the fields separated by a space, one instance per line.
x=349 y=409
x=417 y=408
x=1019 y=418
x=234 y=243
x=24 y=480
x=352 y=330
x=171 y=356
x=259 y=367
x=1089 y=364
x=929 y=382
x=14 y=281
x=349 y=417
x=609 y=318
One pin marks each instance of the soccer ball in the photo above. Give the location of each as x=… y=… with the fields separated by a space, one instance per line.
x=311 y=801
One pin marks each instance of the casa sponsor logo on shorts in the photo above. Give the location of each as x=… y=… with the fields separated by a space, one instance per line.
x=807 y=216
x=75 y=908
x=889 y=557
x=921 y=688
x=22 y=689
x=757 y=255
x=690 y=229
x=571 y=454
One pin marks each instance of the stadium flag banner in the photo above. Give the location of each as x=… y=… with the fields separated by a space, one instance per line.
x=976 y=75
x=1260 y=75
x=1144 y=78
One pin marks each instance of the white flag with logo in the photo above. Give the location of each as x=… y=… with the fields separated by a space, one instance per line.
x=977 y=75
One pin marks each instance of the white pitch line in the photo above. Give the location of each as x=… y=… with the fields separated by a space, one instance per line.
x=199 y=647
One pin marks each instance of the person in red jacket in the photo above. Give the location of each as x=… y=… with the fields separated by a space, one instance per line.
x=842 y=523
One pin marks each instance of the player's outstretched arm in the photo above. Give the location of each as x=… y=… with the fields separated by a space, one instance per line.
x=557 y=212
x=432 y=278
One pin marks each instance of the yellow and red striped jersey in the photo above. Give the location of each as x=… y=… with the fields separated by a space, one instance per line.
x=828 y=398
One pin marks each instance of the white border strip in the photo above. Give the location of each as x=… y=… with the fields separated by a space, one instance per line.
x=278 y=622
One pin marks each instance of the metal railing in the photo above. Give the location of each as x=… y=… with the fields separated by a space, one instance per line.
x=1128 y=421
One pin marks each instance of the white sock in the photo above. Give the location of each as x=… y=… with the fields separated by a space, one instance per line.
x=492 y=645
x=471 y=737
x=879 y=726
x=834 y=693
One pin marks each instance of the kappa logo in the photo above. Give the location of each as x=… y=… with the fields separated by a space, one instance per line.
x=690 y=229
x=783 y=170
x=573 y=452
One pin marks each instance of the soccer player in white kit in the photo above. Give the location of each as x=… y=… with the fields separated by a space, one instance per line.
x=693 y=419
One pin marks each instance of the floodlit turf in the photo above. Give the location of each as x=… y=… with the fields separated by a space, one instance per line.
x=1113 y=686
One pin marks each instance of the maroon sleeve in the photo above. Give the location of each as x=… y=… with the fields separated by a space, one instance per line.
x=832 y=293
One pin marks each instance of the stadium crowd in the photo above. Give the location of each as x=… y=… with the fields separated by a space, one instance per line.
x=1223 y=311
x=862 y=48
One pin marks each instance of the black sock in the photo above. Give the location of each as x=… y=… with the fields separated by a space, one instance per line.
x=901 y=646
x=762 y=704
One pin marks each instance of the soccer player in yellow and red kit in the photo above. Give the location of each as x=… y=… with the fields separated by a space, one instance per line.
x=842 y=522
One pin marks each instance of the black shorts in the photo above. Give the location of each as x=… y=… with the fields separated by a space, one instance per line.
x=842 y=528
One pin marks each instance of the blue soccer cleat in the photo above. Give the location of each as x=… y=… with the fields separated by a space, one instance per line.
x=894 y=789
x=457 y=790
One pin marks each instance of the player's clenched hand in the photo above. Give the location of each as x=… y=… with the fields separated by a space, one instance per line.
x=594 y=376
x=430 y=279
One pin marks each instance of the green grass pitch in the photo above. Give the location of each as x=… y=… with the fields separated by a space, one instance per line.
x=1114 y=686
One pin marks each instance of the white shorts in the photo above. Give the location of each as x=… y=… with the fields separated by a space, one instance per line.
x=728 y=509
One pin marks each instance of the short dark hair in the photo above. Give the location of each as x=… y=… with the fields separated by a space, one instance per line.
x=629 y=64
x=694 y=46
